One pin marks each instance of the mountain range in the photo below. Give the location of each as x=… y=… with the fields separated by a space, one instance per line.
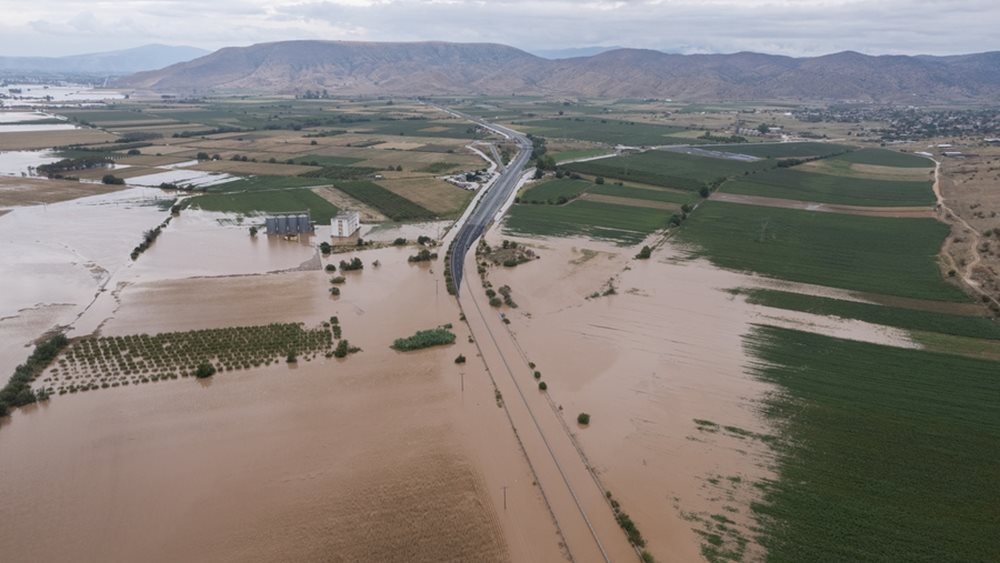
x=126 y=61
x=440 y=68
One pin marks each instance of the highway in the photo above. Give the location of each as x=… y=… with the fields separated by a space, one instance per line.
x=494 y=198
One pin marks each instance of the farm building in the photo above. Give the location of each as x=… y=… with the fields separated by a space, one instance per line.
x=294 y=223
x=345 y=223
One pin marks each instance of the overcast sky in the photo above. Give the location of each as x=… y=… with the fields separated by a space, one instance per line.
x=792 y=27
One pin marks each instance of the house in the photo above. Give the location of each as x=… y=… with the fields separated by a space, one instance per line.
x=345 y=224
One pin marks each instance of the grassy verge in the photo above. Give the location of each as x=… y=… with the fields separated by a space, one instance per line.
x=873 y=254
x=956 y=325
x=886 y=454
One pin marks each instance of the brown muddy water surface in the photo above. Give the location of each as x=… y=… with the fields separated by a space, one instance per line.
x=660 y=367
x=383 y=456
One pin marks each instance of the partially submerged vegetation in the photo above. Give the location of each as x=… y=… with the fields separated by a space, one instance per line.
x=18 y=392
x=425 y=339
x=915 y=430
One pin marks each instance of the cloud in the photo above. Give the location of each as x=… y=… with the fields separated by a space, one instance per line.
x=793 y=27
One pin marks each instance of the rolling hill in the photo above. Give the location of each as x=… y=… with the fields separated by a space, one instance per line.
x=429 y=68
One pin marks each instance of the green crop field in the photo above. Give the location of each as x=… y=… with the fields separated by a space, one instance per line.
x=788 y=183
x=668 y=169
x=879 y=255
x=266 y=183
x=667 y=196
x=393 y=206
x=783 y=150
x=606 y=131
x=883 y=157
x=910 y=319
x=622 y=224
x=454 y=128
x=885 y=454
x=271 y=201
x=552 y=190
x=321 y=160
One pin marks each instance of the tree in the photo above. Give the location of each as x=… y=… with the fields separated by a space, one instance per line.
x=542 y=386
x=645 y=253
x=134 y=152
x=202 y=156
x=764 y=129
x=325 y=247
x=704 y=191
x=204 y=370
x=253 y=231
x=583 y=418
x=331 y=268
x=112 y=180
x=599 y=180
x=291 y=358
x=460 y=359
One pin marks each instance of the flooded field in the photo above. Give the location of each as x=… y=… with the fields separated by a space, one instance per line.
x=660 y=367
x=19 y=163
x=295 y=452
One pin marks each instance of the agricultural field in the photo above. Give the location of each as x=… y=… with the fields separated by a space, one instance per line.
x=625 y=225
x=784 y=150
x=268 y=201
x=788 y=183
x=551 y=190
x=112 y=361
x=872 y=254
x=883 y=157
x=389 y=203
x=885 y=453
x=612 y=132
x=433 y=194
x=909 y=319
x=668 y=169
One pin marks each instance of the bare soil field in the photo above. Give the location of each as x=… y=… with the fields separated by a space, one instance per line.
x=37 y=191
x=47 y=139
x=429 y=192
x=824 y=207
x=344 y=201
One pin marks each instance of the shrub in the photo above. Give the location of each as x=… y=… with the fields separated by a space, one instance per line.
x=291 y=358
x=325 y=247
x=599 y=180
x=538 y=374
x=113 y=180
x=354 y=264
x=542 y=386
x=399 y=242
x=495 y=302
x=645 y=253
x=335 y=291
x=337 y=280
x=583 y=418
x=424 y=339
x=331 y=268
x=204 y=370
x=460 y=359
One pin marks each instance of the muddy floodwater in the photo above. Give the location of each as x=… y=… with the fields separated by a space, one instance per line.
x=18 y=163
x=382 y=456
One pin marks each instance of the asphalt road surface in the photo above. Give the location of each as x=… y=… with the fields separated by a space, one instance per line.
x=492 y=201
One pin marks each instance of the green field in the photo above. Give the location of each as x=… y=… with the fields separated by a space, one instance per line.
x=322 y=160
x=265 y=183
x=622 y=224
x=878 y=255
x=391 y=205
x=883 y=157
x=885 y=454
x=783 y=150
x=608 y=131
x=551 y=190
x=453 y=128
x=787 y=183
x=668 y=169
x=268 y=201
x=910 y=319
x=647 y=194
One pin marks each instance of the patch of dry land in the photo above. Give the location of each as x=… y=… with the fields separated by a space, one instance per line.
x=29 y=140
x=36 y=191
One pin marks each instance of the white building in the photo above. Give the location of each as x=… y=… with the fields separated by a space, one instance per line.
x=345 y=223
